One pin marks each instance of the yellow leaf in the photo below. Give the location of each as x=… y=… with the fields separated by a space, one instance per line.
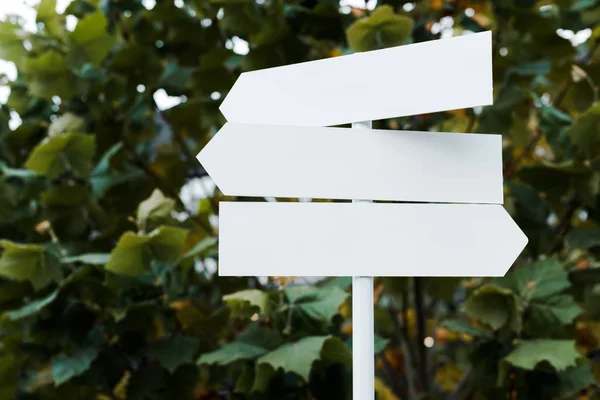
x=448 y=376
x=335 y=53
x=383 y=391
x=120 y=390
x=436 y=4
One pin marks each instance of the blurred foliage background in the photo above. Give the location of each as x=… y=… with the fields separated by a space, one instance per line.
x=108 y=288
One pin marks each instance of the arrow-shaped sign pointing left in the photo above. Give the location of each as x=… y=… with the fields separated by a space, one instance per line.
x=421 y=78
x=339 y=163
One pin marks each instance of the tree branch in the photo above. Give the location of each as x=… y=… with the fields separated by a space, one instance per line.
x=407 y=350
x=421 y=333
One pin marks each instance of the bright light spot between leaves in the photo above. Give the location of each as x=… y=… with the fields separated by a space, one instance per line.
x=469 y=12
x=179 y=3
x=503 y=51
x=164 y=101
x=15 y=120
x=428 y=341
x=9 y=69
x=206 y=22
x=215 y=95
x=371 y=4
x=552 y=219
x=149 y=4
x=159 y=44
x=220 y=13
x=546 y=7
x=61 y=5
x=260 y=2
x=346 y=10
x=254 y=317
x=447 y=22
x=408 y=7
x=195 y=190
x=575 y=38
x=240 y=46
x=229 y=44
x=583 y=215
x=436 y=28
x=545 y=98
x=56 y=100
x=127 y=13
x=141 y=88
x=71 y=22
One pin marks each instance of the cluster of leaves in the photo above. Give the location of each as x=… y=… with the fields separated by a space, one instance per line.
x=106 y=289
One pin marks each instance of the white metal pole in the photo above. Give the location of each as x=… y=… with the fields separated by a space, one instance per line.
x=363 y=327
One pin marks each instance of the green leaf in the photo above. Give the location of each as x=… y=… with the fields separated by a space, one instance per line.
x=584 y=238
x=29 y=263
x=536 y=280
x=49 y=76
x=200 y=248
x=320 y=304
x=574 y=379
x=175 y=77
x=32 y=308
x=113 y=170
x=58 y=154
x=380 y=344
x=53 y=22
x=134 y=252
x=561 y=354
x=583 y=4
x=584 y=132
x=461 y=326
x=298 y=357
x=175 y=351
x=11 y=43
x=494 y=306
x=239 y=301
x=155 y=210
x=90 y=259
x=531 y=69
x=381 y=29
x=91 y=40
x=540 y=285
x=231 y=352
x=65 y=367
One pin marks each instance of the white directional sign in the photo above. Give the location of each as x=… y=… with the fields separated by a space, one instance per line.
x=356 y=239
x=277 y=144
x=420 y=78
x=339 y=163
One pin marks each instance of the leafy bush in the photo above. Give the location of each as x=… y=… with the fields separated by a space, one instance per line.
x=106 y=286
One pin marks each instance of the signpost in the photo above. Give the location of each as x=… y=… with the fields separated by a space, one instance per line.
x=275 y=145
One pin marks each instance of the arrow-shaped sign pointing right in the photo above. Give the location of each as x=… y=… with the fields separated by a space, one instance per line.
x=353 y=239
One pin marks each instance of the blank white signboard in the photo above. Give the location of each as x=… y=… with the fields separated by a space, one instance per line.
x=419 y=78
x=374 y=239
x=339 y=163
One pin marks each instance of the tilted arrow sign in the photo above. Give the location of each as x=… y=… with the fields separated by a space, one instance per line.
x=375 y=239
x=421 y=78
x=339 y=163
